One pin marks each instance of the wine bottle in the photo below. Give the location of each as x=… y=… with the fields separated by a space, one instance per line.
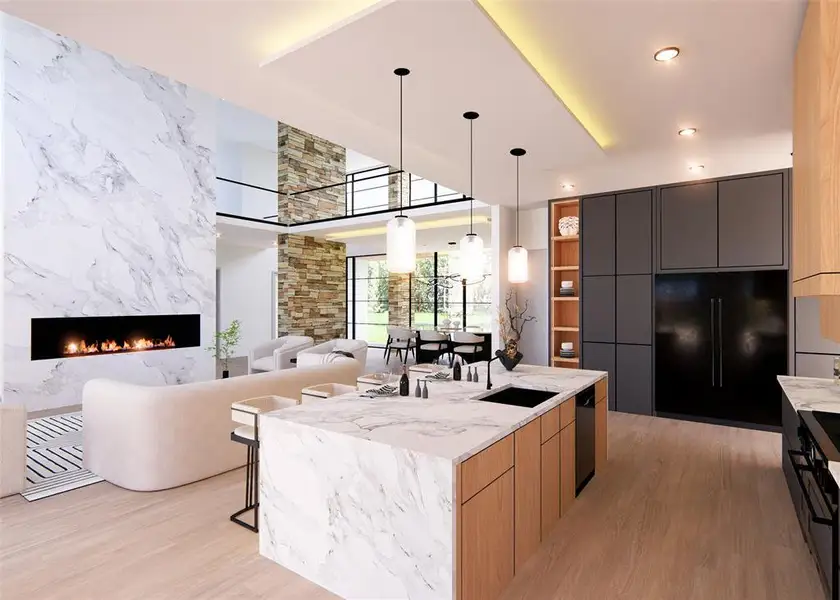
x=456 y=370
x=404 y=383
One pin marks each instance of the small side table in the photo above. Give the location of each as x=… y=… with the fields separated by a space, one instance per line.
x=247 y=413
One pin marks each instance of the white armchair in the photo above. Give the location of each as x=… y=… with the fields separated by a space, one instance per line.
x=317 y=354
x=277 y=354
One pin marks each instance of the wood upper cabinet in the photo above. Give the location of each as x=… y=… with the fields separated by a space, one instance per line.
x=487 y=540
x=816 y=161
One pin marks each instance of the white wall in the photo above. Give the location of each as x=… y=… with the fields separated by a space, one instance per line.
x=246 y=163
x=247 y=293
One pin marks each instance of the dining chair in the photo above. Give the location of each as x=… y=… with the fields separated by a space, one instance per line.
x=432 y=343
x=402 y=340
x=466 y=345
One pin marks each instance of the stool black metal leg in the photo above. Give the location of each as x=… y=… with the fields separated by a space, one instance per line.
x=251 y=483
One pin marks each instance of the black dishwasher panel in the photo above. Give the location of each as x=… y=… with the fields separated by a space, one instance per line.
x=584 y=438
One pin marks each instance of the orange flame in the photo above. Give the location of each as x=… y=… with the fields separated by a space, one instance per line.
x=82 y=347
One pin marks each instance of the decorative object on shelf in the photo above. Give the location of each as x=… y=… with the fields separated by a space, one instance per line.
x=226 y=342
x=567 y=350
x=401 y=233
x=567 y=288
x=568 y=226
x=511 y=327
x=517 y=256
x=471 y=249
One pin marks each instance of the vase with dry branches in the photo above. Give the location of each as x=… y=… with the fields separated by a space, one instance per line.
x=511 y=324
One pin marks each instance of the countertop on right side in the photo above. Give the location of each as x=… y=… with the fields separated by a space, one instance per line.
x=811 y=393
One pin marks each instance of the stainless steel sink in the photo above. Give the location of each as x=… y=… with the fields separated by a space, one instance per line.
x=516 y=396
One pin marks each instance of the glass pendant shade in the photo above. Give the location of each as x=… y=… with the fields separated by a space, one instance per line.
x=471 y=258
x=517 y=265
x=401 y=245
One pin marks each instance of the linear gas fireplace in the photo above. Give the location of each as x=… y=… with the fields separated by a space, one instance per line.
x=67 y=337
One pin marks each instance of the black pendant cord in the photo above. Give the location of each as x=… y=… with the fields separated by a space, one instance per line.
x=471 y=176
x=517 y=200
x=401 y=145
x=517 y=152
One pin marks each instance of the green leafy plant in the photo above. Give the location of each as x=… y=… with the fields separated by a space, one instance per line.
x=226 y=342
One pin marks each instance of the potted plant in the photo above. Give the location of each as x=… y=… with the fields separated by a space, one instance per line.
x=511 y=323
x=226 y=342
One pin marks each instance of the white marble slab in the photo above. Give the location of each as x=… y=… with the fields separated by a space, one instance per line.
x=811 y=393
x=362 y=519
x=108 y=209
x=452 y=423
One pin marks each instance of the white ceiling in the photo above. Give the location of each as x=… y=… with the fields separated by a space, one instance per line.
x=732 y=80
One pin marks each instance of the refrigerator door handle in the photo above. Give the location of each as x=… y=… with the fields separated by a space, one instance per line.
x=712 y=328
x=720 y=341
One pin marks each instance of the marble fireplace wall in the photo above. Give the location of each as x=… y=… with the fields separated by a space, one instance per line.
x=109 y=209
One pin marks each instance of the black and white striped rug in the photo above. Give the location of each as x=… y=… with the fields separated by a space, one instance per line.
x=54 y=456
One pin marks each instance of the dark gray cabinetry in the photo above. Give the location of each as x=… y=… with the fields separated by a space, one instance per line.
x=634 y=392
x=598 y=309
x=601 y=357
x=751 y=221
x=634 y=233
x=598 y=235
x=688 y=226
x=634 y=309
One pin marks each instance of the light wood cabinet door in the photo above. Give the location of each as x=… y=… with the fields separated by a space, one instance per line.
x=568 y=483
x=600 y=435
x=550 y=484
x=487 y=536
x=527 y=475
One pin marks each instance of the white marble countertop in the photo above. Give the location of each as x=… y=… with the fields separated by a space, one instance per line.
x=811 y=393
x=451 y=423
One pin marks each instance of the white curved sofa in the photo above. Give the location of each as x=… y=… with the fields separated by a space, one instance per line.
x=147 y=438
x=317 y=353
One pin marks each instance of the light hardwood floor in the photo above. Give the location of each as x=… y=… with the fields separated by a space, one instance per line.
x=684 y=511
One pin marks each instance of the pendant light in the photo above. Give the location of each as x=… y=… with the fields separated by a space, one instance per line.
x=517 y=256
x=471 y=250
x=401 y=233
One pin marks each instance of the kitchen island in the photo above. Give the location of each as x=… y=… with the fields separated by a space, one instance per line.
x=436 y=498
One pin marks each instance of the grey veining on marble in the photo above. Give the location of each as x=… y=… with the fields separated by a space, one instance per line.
x=109 y=209
x=810 y=393
x=360 y=519
x=452 y=423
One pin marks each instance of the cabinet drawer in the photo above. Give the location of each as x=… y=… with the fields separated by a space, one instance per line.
x=567 y=413
x=480 y=470
x=549 y=424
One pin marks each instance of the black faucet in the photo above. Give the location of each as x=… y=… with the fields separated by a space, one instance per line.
x=490 y=385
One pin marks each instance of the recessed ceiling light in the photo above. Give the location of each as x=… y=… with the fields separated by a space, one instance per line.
x=568 y=186
x=687 y=132
x=666 y=54
x=218 y=234
x=696 y=168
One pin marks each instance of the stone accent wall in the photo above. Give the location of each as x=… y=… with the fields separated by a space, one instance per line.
x=399 y=294
x=394 y=189
x=311 y=287
x=306 y=161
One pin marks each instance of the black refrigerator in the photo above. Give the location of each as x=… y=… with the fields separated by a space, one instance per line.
x=721 y=340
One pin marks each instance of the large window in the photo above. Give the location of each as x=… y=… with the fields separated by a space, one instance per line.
x=434 y=296
x=367 y=290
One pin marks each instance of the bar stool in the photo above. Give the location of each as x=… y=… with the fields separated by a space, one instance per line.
x=247 y=413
